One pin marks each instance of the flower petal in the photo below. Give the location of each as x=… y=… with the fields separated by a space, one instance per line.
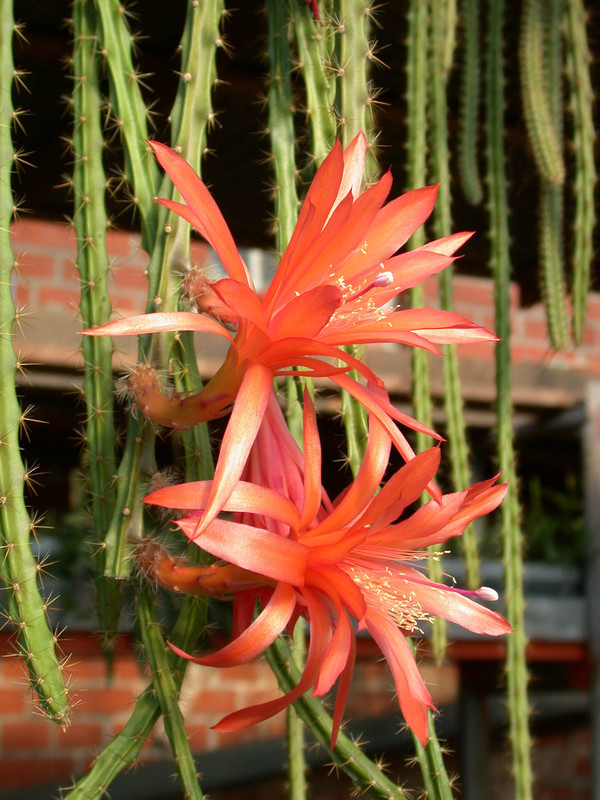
x=242 y=300
x=293 y=317
x=413 y=696
x=276 y=557
x=241 y=431
x=159 y=322
x=255 y=639
x=246 y=497
x=202 y=204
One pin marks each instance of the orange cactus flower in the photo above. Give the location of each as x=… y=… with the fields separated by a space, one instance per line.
x=352 y=562
x=333 y=287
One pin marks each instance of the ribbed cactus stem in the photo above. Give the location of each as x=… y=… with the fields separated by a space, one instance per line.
x=346 y=755
x=129 y=110
x=584 y=136
x=470 y=92
x=355 y=114
x=167 y=694
x=516 y=665
x=282 y=136
x=314 y=55
x=90 y=222
x=20 y=571
x=551 y=218
x=442 y=226
x=544 y=142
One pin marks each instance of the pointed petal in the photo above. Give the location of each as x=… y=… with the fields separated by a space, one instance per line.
x=320 y=627
x=443 y=602
x=245 y=420
x=255 y=639
x=354 y=167
x=158 y=322
x=312 y=464
x=276 y=557
x=402 y=489
x=293 y=317
x=201 y=203
x=342 y=692
x=413 y=696
x=242 y=300
x=246 y=497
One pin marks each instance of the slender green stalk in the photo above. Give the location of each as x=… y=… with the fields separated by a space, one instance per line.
x=581 y=102
x=283 y=139
x=551 y=217
x=545 y=145
x=470 y=91
x=129 y=109
x=167 y=694
x=314 y=54
x=346 y=754
x=20 y=570
x=442 y=226
x=90 y=222
x=516 y=665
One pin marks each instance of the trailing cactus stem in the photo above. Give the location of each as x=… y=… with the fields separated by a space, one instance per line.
x=551 y=218
x=167 y=693
x=282 y=136
x=468 y=163
x=581 y=100
x=516 y=665
x=129 y=108
x=26 y=607
x=442 y=226
x=313 y=54
x=534 y=92
x=346 y=755
x=90 y=222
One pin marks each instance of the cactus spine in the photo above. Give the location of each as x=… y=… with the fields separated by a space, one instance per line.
x=20 y=570
x=516 y=666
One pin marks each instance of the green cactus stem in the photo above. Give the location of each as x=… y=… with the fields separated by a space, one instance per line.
x=129 y=109
x=516 y=665
x=20 y=571
x=167 y=694
x=442 y=226
x=544 y=142
x=313 y=41
x=581 y=104
x=551 y=218
x=90 y=222
x=470 y=92
x=347 y=754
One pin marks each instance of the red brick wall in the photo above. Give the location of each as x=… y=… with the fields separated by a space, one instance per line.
x=47 y=280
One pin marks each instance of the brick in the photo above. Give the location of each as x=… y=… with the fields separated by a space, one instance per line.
x=22 y=296
x=54 y=296
x=536 y=329
x=105 y=701
x=80 y=735
x=129 y=278
x=198 y=736
x=42 y=232
x=470 y=291
x=26 y=735
x=12 y=701
x=118 y=243
x=199 y=252
x=215 y=702
x=35 y=265
x=18 y=772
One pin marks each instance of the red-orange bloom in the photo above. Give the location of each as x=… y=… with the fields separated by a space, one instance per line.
x=352 y=562
x=332 y=288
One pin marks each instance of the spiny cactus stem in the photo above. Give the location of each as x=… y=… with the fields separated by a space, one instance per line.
x=130 y=109
x=167 y=693
x=516 y=665
x=468 y=150
x=442 y=226
x=347 y=755
x=313 y=52
x=27 y=609
x=90 y=221
x=580 y=85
